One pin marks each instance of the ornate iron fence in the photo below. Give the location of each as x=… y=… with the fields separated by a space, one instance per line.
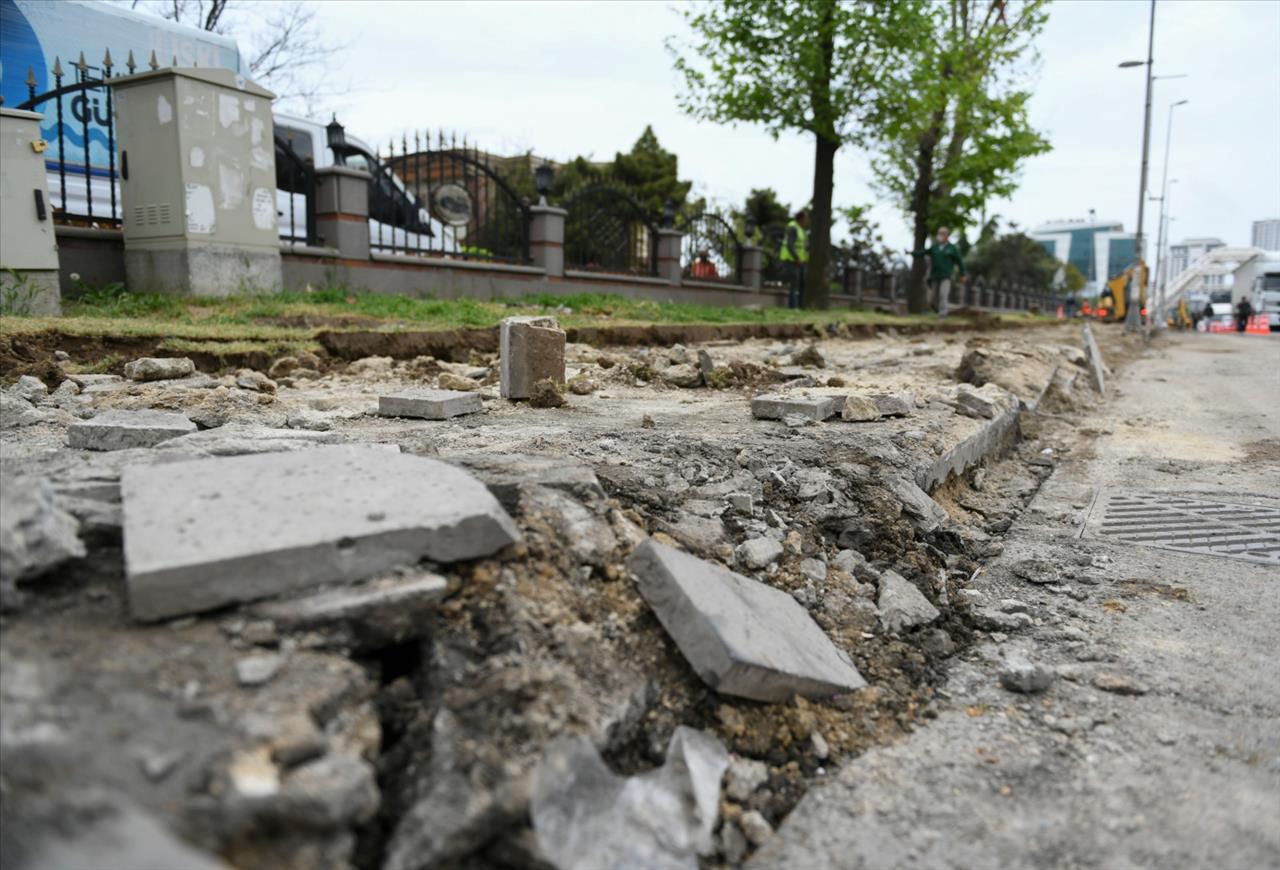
x=295 y=193
x=451 y=203
x=607 y=230
x=79 y=122
x=711 y=249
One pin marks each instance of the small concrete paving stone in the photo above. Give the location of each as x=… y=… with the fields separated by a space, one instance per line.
x=741 y=637
x=118 y=429
x=531 y=349
x=210 y=532
x=429 y=404
x=776 y=407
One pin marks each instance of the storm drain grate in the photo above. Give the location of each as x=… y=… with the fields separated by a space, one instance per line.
x=1195 y=525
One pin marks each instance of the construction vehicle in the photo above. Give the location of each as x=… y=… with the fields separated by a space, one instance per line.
x=1114 y=301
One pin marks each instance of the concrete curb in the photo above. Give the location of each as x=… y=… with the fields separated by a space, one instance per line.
x=993 y=438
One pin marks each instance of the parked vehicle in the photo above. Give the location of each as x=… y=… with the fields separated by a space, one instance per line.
x=51 y=44
x=1264 y=290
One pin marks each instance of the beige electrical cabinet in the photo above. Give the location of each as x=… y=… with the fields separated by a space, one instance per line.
x=198 y=183
x=28 y=247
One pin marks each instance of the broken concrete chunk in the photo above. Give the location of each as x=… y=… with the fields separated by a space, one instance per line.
x=506 y=474
x=248 y=379
x=119 y=429
x=531 y=349
x=429 y=404
x=706 y=365
x=926 y=512
x=777 y=407
x=256 y=670
x=1020 y=674
x=586 y=817
x=85 y=381
x=974 y=404
x=369 y=616
x=546 y=393
x=859 y=409
x=16 y=411
x=31 y=388
x=36 y=534
x=158 y=368
x=810 y=356
x=741 y=637
x=682 y=375
x=458 y=383
x=744 y=777
x=758 y=553
x=901 y=605
x=209 y=532
x=238 y=439
x=895 y=404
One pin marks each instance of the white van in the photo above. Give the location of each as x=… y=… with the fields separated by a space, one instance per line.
x=39 y=36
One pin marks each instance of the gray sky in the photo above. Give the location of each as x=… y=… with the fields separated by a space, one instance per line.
x=567 y=78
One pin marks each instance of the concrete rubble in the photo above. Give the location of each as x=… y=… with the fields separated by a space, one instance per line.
x=740 y=636
x=587 y=817
x=158 y=368
x=210 y=532
x=375 y=632
x=429 y=404
x=531 y=349
x=120 y=430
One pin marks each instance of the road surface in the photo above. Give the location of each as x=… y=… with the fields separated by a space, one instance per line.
x=1157 y=742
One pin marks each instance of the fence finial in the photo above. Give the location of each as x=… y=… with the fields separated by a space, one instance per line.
x=129 y=62
x=57 y=70
x=31 y=80
x=155 y=64
x=82 y=65
x=106 y=63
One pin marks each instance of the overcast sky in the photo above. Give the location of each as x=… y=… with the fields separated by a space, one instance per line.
x=584 y=78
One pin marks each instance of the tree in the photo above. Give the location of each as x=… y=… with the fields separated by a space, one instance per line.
x=1015 y=258
x=952 y=126
x=865 y=243
x=281 y=42
x=769 y=216
x=795 y=65
x=651 y=172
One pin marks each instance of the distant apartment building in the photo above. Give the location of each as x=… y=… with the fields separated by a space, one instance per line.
x=1188 y=251
x=1266 y=234
x=1100 y=249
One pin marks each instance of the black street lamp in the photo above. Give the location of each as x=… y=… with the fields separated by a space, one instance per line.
x=543 y=177
x=337 y=138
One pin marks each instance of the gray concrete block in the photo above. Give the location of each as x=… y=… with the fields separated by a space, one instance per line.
x=531 y=349
x=776 y=407
x=429 y=404
x=1097 y=368
x=901 y=605
x=742 y=637
x=368 y=616
x=210 y=532
x=119 y=429
x=158 y=368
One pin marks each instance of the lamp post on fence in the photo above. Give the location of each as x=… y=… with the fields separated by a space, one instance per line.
x=336 y=135
x=543 y=177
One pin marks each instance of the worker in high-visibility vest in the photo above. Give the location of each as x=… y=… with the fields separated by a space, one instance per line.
x=794 y=255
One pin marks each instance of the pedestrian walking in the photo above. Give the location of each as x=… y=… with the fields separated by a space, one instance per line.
x=1206 y=317
x=795 y=255
x=1244 y=310
x=944 y=261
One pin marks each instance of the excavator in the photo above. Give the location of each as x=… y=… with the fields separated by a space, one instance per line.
x=1112 y=304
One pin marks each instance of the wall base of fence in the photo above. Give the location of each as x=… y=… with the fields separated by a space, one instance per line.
x=203 y=270
x=30 y=291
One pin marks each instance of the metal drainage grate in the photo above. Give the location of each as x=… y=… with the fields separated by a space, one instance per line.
x=1195 y=525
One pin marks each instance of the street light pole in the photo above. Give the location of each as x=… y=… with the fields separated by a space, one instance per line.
x=1160 y=278
x=1132 y=319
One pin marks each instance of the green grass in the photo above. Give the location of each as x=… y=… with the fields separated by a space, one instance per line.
x=277 y=320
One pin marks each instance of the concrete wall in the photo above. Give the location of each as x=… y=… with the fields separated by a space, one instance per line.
x=95 y=257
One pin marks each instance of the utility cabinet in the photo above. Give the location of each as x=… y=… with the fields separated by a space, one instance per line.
x=198 y=183
x=28 y=247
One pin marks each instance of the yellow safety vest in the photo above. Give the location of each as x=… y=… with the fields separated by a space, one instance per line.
x=802 y=245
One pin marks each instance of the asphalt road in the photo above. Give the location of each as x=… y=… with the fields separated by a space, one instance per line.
x=1157 y=742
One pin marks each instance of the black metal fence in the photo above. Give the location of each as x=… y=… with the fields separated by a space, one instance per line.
x=81 y=154
x=447 y=201
x=711 y=249
x=607 y=230
x=296 y=186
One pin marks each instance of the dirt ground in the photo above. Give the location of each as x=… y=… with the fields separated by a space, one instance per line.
x=416 y=751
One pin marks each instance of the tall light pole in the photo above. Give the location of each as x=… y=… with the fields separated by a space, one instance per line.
x=1161 y=278
x=1132 y=318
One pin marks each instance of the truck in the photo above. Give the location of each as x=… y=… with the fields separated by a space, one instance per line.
x=44 y=43
x=1260 y=282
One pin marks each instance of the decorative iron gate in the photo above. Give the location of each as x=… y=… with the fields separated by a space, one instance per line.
x=607 y=230
x=710 y=249
x=454 y=202
x=295 y=193
x=81 y=121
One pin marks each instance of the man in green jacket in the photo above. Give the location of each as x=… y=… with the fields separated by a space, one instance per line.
x=944 y=261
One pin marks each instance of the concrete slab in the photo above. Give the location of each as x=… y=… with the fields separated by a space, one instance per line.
x=158 y=368
x=742 y=637
x=211 y=532
x=531 y=349
x=429 y=404
x=775 y=407
x=1097 y=368
x=118 y=429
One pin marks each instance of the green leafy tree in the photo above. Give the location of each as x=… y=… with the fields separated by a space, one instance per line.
x=652 y=173
x=812 y=66
x=1015 y=258
x=1074 y=278
x=768 y=214
x=865 y=243
x=952 y=128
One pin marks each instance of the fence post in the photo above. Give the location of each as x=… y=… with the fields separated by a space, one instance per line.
x=546 y=238
x=669 y=254
x=342 y=210
x=752 y=267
